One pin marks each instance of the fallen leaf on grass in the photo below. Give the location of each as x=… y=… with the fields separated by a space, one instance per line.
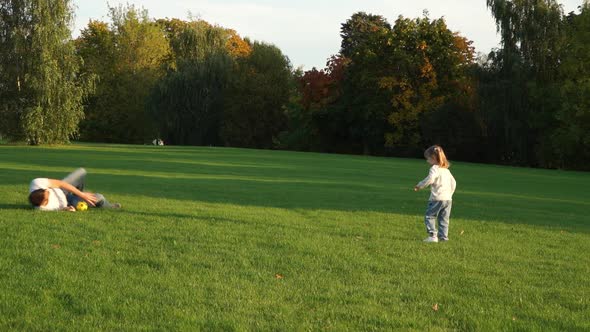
x=435 y=307
x=278 y=276
x=513 y=318
x=55 y=246
x=462 y=231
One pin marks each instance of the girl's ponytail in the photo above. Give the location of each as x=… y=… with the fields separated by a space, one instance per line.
x=439 y=155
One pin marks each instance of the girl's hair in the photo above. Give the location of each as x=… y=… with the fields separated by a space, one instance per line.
x=438 y=154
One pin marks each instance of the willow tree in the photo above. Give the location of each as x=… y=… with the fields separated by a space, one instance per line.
x=532 y=38
x=187 y=102
x=40 y=86
x=254 y=107
x=570 y=139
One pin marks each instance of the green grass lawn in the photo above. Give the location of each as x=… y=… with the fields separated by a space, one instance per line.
x=233 y=239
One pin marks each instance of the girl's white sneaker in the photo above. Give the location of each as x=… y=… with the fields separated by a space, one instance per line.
x=431 y=239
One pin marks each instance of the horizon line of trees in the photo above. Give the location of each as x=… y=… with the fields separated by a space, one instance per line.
x=392 y=89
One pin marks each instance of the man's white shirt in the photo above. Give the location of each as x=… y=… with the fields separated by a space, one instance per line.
x=57 y=198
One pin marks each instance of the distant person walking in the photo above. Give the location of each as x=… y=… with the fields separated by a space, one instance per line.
x=55 y=195
x=442 y=186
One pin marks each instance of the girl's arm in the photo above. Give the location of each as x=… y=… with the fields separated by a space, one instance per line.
x=432 y=173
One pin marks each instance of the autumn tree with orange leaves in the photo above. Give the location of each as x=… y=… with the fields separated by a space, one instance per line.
x=391 y=87
x=429 y=76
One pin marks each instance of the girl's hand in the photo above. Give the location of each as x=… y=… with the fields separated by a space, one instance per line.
x=70 y=208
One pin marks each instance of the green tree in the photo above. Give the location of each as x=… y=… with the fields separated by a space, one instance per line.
x=358 y=117
x=129 y=57
x=254 y=112
x=184 y=35
x=525 y=70
x=531 y=32
x=188 y=101
x=570 y=140
x=41 y=89
x=96 y=45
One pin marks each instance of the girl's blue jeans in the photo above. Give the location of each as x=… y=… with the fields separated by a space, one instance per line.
x=438 y=211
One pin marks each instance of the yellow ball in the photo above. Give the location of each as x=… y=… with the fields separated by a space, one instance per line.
x=81 y=206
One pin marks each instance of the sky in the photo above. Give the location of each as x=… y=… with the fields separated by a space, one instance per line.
x=308 y=31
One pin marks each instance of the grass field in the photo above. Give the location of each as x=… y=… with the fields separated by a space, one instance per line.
x=232 y=239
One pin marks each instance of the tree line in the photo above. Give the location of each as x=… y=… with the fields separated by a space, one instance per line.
x=391 y=90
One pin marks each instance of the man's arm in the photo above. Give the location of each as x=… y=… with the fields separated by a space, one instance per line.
x=88 y=197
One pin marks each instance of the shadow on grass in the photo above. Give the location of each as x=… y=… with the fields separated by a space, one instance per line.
x=284 y=180
x=184 y=217
x=15 y=206
x=344 y=196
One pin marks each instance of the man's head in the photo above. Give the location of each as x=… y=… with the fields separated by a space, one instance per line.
x=39 y=197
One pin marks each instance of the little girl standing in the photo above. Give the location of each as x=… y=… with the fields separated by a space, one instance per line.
x=442 y=186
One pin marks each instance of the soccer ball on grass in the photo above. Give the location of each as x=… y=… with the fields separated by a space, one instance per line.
x=81 y=206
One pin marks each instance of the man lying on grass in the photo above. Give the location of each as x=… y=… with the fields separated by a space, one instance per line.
x=55 y=195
